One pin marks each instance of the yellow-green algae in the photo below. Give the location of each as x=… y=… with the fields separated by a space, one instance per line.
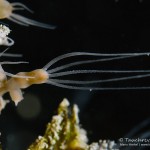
x=63 y=133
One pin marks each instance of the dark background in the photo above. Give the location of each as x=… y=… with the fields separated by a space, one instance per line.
x=102 y=26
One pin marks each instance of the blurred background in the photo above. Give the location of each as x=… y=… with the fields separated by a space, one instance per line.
x=112 y=26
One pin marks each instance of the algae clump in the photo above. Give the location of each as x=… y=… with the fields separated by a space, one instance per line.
x=64 y=132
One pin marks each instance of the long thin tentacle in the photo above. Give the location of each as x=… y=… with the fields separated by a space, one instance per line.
x=17 y=21
x=18 y=8
x=138 y=128
x=22 y=6
x=87 y=62
x=9 y=54
x=73 y=72
x=27 y=21
x=99 y=81
x=2 y=53
x=91 y=54
x=11 y=63
x=95 y=88
x=102 y=81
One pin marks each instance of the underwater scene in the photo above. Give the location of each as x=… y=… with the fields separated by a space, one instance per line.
x=75 y=75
